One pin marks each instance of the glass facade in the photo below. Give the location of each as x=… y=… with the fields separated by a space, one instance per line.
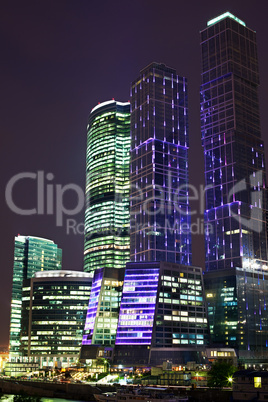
x=221 y=295
x=159 y=204
x=234 y=151
x=137 y=307
x=237 y=310
x=31 y=254
x=54 y=306
x=103 y=307
x=92 y=307
x=107 y=241
x=181 y=317
x=162 y=312
x=235 y=215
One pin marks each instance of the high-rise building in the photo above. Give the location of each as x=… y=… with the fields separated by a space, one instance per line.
x=236 y=237
x=159 y=205
x=107 y=187
x=162 y=315
x=54 y=306
x=162 y=312
x=31 y=254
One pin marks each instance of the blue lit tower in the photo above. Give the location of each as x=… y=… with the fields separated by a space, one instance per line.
x=162 y=313
x=159 y=205
x=236 y=244
x=232 y=144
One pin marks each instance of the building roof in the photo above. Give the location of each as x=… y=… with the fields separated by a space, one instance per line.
x=251 y=373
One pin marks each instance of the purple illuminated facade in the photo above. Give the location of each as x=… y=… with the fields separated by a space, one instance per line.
x=103 y=307
x=92 y=307
x=137 y=308
x=236 y=280
x=159 y=204
x=162 y=314
x=233 y=148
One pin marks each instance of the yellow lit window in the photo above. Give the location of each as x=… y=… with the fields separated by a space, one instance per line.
x=257 y=382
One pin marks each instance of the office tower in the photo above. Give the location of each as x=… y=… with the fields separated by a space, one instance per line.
x=159 y=206
x=103 y=308
x=107 y=187
x=31 y=254
x=162 y=315
x=54 y=307
x=236 y=240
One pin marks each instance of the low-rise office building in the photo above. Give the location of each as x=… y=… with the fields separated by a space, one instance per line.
x=19 y=368
x=250 y=385
x=54 y=306
x=102 y=314
x=162 y=315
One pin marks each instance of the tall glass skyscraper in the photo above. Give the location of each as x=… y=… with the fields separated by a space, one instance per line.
x=159 y=204
x=236 y=238
x=31 y=254
x=107 y=187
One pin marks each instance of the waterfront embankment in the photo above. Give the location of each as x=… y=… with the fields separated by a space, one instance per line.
x=85 y=392
x=82 y=392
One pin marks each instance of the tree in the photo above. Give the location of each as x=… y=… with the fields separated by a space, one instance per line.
x=221 y=374
x=101 y=361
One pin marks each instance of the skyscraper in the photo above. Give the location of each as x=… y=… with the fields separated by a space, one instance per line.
x=162 y=312
x=31 y=254
x=236 y=243
x=159 y=205
x=107 y=187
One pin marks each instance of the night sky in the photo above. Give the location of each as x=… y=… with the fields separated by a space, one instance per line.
x=58 y=60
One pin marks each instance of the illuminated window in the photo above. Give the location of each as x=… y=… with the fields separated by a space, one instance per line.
x=257 y=382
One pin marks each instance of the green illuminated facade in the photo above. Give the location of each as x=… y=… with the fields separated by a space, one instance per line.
x=31 y=254
x=54 y=307
x=107 y=241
